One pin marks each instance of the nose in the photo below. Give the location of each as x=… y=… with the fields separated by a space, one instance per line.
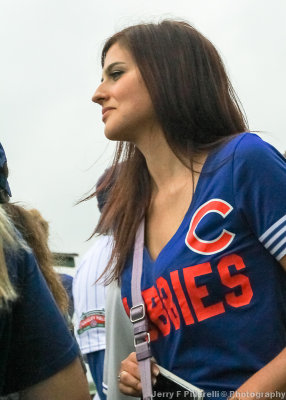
x=100 y=95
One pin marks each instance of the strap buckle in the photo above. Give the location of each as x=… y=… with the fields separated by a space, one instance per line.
x=137 y=313
x=140 y=338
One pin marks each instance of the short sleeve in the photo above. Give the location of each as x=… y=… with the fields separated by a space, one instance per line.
x=259 y=176
x=40 y=344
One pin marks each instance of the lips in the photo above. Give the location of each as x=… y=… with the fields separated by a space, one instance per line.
x=105 y=111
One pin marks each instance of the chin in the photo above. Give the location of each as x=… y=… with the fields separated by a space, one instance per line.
x=111 y=135
x=116 y=135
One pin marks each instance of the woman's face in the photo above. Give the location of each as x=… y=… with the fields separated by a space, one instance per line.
x=127 y=110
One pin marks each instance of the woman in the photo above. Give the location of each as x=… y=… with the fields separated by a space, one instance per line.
x=39 y=358
x=215 y=242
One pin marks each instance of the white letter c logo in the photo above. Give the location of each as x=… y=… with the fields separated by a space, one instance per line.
x=201 y=246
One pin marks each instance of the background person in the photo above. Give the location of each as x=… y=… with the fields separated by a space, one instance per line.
x=34 y=361
x=89 y=300
x=35 y=231
x=67 y=281
x=89 y=294
x=118 y=329
x=215 y=237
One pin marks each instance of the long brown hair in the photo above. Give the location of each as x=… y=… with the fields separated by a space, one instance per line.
x=35 y=230
x=195 y=105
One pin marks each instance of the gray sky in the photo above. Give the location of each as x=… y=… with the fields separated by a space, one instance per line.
x=50 y=67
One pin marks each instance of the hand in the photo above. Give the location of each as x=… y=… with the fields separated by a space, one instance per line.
x=129 y=376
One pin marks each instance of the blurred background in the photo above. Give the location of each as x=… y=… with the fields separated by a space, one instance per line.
x=50 y=67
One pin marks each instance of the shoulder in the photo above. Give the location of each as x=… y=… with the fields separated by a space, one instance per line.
x=21 y=264
x=252 y=149
x=257 y=165
x=249 y=153
x=96 y=257
x=103 y=242
x=102 y=245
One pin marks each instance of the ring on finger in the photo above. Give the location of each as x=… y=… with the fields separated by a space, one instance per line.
x=119 y=376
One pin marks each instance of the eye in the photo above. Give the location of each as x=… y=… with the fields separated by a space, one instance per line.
x=115 y=74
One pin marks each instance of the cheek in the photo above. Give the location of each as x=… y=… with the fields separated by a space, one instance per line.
x=128 y=97
x=140 y=102
x=134 y=94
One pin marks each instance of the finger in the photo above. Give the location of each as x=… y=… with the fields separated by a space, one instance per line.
x=127 y=390
x=155 y=369
x=129 y=384
x=133 y=357
x=130 y=365
x=128 y=379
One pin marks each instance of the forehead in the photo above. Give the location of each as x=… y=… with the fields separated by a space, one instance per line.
x=118 y=53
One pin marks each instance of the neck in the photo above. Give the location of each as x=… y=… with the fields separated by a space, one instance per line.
x=166 y=170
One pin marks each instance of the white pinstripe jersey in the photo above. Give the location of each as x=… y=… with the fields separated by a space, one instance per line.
x=89 y=297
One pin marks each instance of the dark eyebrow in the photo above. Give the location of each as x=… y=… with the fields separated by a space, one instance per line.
x=109 y=68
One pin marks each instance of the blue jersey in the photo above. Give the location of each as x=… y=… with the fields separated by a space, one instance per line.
x=34 y=340
x=216 y=294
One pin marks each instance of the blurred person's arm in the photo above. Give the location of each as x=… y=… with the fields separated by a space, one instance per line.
x=69 y=383
x=41 y=356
